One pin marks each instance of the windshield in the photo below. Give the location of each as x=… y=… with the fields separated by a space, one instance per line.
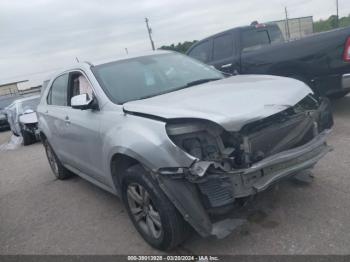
x=28 y=105
x=147 y=76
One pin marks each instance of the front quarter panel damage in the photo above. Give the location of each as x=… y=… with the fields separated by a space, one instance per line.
x=209 y=184
x=184 y=196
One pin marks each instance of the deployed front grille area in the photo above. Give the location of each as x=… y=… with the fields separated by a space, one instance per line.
x=288 y=129
x=31 y=127
x=289 y=133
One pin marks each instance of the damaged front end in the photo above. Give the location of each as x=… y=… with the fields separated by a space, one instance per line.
x=232 y=165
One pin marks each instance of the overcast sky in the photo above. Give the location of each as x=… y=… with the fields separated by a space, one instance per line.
x=38 y=36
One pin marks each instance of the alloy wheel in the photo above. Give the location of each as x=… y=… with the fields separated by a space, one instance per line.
x=143 y=210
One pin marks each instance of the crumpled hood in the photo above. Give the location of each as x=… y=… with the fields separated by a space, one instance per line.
x=232 y=102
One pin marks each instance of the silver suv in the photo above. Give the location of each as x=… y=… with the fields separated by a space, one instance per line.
x=178 y=141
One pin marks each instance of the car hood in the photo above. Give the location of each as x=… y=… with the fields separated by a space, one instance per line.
x=232 y=102
x=29 y=118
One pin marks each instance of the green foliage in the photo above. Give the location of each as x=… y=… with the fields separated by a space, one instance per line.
x=331 y=23
x=180 y=47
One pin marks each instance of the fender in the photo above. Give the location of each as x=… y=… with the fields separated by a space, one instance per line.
x=146 y=136
x=43 y=127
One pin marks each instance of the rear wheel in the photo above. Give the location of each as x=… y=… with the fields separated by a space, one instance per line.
x=153 y=215
x=57 y=168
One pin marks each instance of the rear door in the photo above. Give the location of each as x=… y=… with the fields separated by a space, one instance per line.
x=55 y=116
x=224 y=55
x=202 y=51
x=253 y=41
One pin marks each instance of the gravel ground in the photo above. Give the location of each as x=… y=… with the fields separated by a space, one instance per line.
x=41 y=215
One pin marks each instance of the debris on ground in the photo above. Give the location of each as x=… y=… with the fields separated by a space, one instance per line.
x=14 y=143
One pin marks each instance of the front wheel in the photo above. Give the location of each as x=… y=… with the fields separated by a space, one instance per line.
x=153 y=215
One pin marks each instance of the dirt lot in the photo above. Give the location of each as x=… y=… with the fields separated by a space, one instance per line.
x=41 y=215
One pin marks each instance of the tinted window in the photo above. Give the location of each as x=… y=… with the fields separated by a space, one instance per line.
x=58 y=92
x=253 y=40
x=201 y=52
x=147 y=76
x=223 y=47
x=275 y=35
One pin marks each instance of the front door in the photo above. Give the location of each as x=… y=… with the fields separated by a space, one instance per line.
x=83 y=131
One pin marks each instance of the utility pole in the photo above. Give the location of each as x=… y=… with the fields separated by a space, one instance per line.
x=287 y=24
x=337 y=3
x=149 y=30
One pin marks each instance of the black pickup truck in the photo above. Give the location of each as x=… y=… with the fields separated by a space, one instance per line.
x=321 y=60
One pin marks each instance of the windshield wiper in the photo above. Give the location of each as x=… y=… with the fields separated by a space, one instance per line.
x=201 y=81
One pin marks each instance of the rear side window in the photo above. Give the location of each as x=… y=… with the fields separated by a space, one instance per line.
x=201 y=52
x=254 y=40
x=275 y=35
x=223 y=47
x=58 y=92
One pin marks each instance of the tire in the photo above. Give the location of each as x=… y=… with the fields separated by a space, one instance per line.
x=57 y=168
x=28 y=138
x=152 y=207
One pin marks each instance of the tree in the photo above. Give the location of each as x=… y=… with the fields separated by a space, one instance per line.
x=180 y=47
x=331 y=23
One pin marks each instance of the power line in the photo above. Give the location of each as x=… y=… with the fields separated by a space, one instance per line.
x=149 y=30
x=337 y=4
x=287 y=24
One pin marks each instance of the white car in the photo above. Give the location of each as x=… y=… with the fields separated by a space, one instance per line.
x=21 y=115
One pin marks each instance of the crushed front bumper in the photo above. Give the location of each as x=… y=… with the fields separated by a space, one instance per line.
x=217 y=189
x=264 y=173
x=31 y=129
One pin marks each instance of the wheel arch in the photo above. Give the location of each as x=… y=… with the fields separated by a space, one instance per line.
x=119 y=163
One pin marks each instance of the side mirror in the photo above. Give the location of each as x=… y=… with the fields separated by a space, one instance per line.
x=81 y=101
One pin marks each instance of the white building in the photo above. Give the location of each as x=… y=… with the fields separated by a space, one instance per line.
x=296 y=28
x=12 y=88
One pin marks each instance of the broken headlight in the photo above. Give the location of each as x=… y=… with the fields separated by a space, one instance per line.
x=199 y=139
